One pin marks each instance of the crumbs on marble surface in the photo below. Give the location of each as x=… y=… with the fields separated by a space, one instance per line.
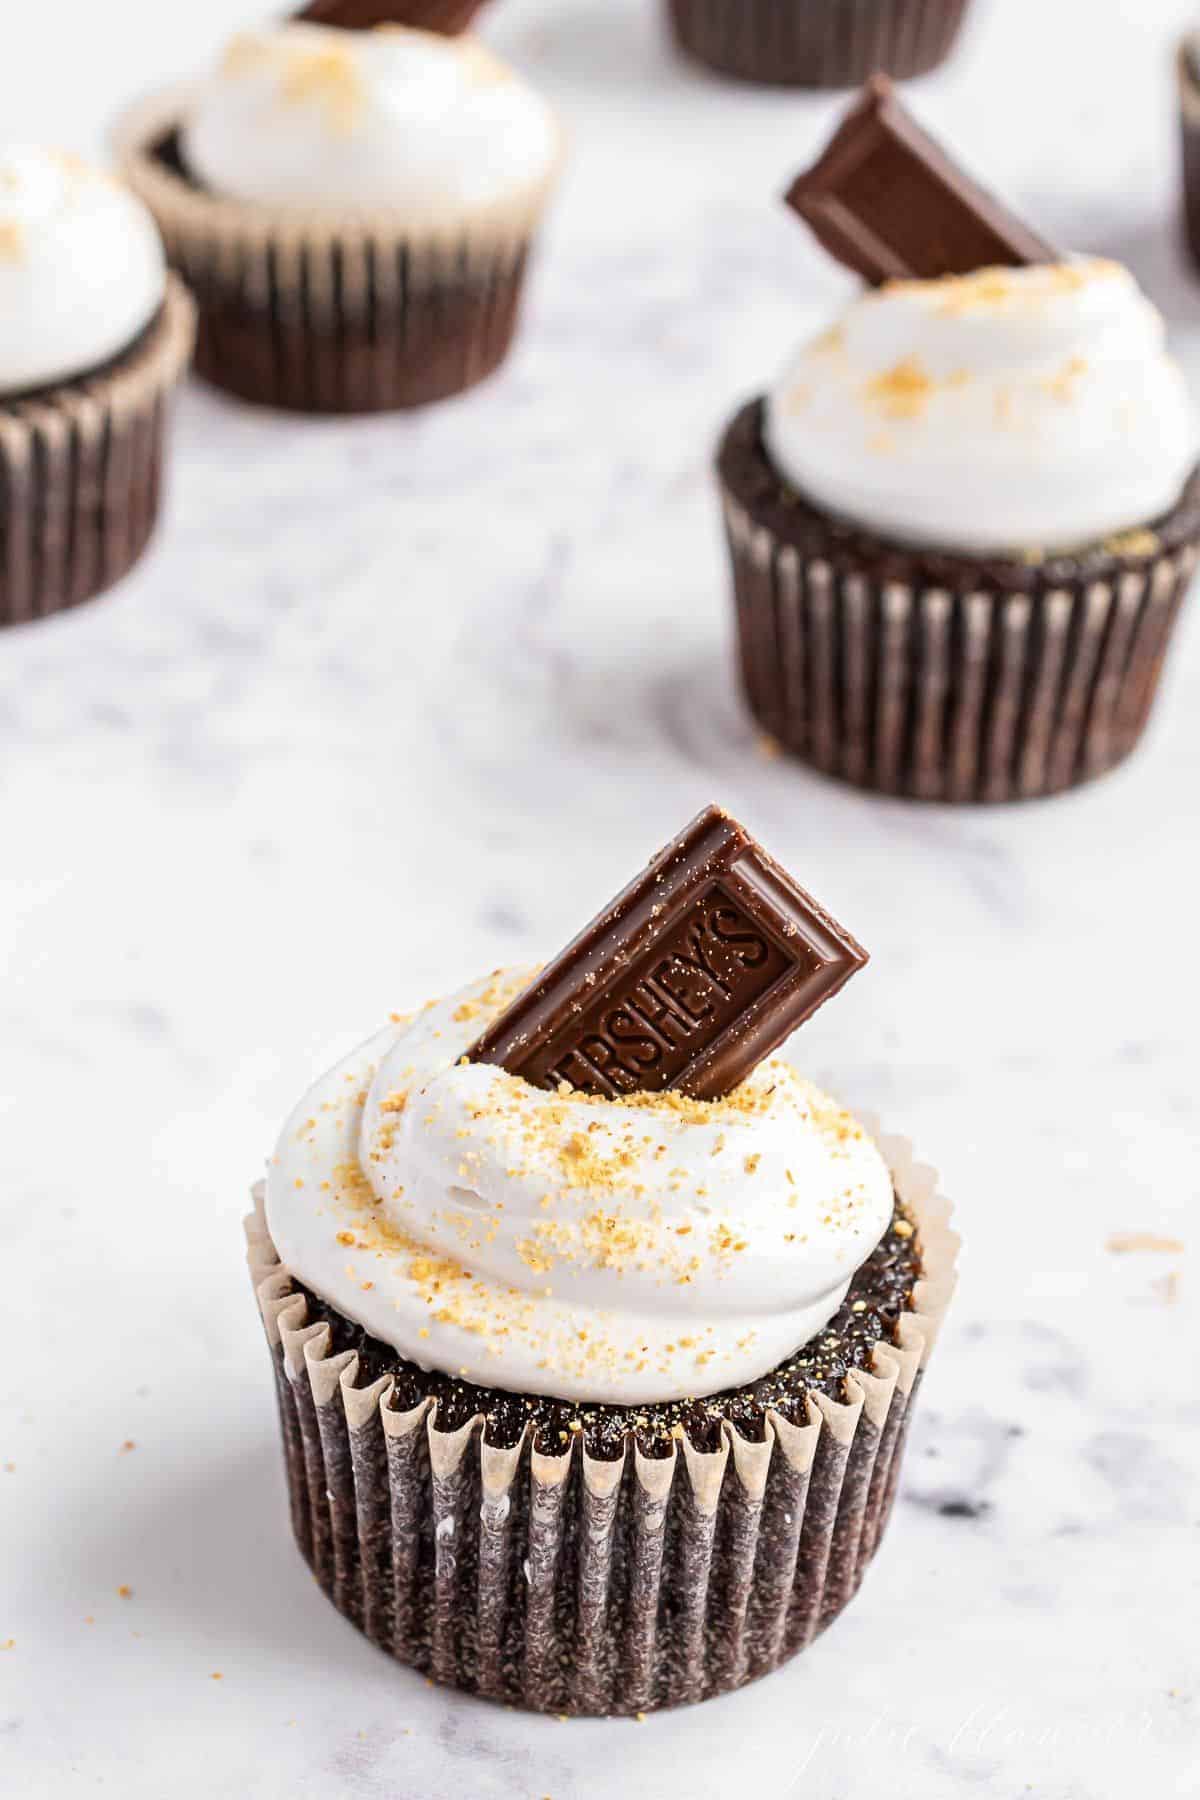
x=12 y=240
x=1123 y=1243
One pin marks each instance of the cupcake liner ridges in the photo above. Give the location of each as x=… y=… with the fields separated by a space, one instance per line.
x=364 y=312
x=817 y=43
x=1189 y=120
x=570 y=1584
x=981 y=682
x=81 y=471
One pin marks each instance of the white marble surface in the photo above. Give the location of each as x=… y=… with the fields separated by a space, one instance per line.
x=394 y=701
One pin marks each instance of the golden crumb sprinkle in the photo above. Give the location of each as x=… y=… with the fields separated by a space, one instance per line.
x=901 y=392
x=1140 y=541
x=1124 y=1243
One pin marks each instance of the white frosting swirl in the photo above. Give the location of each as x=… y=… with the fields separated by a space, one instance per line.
x=82 y=271
x=1008 y=411
x=647 y=1249
x=394 y=119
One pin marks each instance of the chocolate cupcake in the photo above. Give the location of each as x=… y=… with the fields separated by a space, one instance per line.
x=817 y=43
x=593 y=1402
x=963 y=520
x=96 y=336
x=353 y=210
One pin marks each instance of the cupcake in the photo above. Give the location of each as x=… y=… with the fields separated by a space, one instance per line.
x=353 y=210
x=962 y=521
x=590 y=1404
x=817 y=43
x=96 y=336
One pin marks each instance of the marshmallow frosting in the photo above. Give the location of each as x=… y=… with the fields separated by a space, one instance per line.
x=390 y=119
x=1009 y=411
x=82 y=271
x=646 y=1249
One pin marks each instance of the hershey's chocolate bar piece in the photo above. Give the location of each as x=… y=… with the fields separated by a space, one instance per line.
x=696 y=972
x=448 y=17
x=885 y=199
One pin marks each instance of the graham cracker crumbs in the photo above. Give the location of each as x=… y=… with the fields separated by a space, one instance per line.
x=1125 y=1243
x=640 y=1718
x=216 y=1675
x=987 y=289
x=327 y=78
x=126 y=1447
x=902 y=1228
x=901 y=392
x=1139 y=542
x=1062 y=385
x=12 y=240
x=124 y=1592
x=769 y=748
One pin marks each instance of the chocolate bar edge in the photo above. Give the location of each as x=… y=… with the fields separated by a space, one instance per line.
x=718 y=851
x=876 y=115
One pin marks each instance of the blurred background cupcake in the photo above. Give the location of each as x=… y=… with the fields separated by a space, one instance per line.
x=353 y=211
x=817 y=43
x=963 y=519
x=94 y=335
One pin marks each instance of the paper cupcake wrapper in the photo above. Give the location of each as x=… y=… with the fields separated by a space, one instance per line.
x=354 y=312
x=942 y=695
x=81 y=471
x=569 y=1584
x=1188 y=69
x=817 y=43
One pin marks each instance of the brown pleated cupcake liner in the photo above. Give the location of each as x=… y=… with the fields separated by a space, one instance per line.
x=569 y=1584
x=81 y=471
x=1189 y=122
x=449 y=17
x=957 y=689
x=362 y=312
x=817 y=43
